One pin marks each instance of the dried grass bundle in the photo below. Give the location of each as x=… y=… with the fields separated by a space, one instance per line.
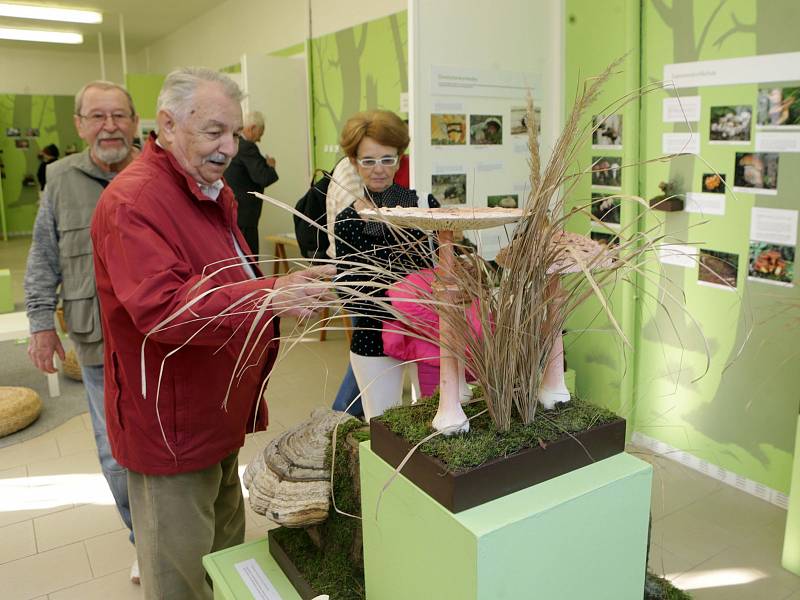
x=521 y=310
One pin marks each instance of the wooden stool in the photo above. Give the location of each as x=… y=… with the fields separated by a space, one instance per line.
x=281 y=240
x=348 y=323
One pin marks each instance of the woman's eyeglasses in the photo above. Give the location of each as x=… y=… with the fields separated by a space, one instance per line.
x=384 y=161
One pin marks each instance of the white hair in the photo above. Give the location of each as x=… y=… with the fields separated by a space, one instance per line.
x=177 y=93
x=254 y=118
x=101 y=85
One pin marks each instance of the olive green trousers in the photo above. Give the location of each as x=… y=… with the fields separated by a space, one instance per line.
x=177 y=519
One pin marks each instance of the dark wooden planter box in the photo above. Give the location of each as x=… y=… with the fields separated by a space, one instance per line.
x=461 y=490
x=292 y=573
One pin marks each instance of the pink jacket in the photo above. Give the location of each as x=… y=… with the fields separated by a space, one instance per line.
x=424 y=321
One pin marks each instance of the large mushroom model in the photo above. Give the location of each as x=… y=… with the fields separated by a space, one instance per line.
x=570 y=252
x=450 y=417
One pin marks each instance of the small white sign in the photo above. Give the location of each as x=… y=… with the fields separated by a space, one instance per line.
x=448 y=107
x=681 y=109
x=678 y=255
x=774 y=225
x=447 y=169
x=404 y=102
x=485 y=167
x=680 y=143
x=256 y=580
x=748 y=190
x=493 y=83
x=734 y=71
x=777 y=141
x=705 y=204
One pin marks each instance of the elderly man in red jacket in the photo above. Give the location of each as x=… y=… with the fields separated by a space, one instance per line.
x=169 y=259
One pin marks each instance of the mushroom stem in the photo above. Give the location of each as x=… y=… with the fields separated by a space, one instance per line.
x=554 y=388
x=450 y=417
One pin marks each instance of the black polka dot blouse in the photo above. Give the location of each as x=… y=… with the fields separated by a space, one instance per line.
x=366 y=245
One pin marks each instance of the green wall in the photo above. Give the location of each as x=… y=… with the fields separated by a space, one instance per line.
x=741 y=413
x=144 y=89
x=52 y=116
x=603 y=365
x=358 y=68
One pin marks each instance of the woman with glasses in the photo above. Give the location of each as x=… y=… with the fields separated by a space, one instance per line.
x=374 y=141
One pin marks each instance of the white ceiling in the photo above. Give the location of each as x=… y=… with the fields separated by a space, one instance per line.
x=145 y=22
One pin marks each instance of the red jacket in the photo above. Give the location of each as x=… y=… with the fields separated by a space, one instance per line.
x=155 y=235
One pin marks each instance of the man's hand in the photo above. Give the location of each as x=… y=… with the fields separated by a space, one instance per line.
x=302 y=293
x=41 y=348
x=271 y=161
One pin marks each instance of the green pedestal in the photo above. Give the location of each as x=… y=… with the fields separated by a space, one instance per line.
x=6 y=297
x=581 y=535
x=791 y=542
x=229 y=583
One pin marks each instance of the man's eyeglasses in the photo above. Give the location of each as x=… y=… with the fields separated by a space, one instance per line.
x=99 y=118
x=385 y=161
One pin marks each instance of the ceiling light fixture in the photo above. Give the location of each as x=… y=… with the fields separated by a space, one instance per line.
x=49 y=13
x=39 y=35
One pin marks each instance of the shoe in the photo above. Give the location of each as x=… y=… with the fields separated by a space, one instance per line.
x=135 y=572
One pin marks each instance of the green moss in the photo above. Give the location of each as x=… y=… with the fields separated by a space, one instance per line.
x=329 y=570
x=657 y=588
x=484 y=442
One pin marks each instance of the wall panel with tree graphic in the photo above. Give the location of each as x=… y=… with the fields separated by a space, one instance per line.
x=358 y=68
x=737 y=281
x=33 y=122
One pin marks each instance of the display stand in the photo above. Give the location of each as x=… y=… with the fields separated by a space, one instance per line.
x=228 y=582
x=791 y=541
x=580 y=535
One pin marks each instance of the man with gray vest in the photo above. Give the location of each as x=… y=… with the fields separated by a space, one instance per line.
x=61 y=255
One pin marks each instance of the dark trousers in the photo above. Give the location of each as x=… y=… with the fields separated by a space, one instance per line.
x=251 y=237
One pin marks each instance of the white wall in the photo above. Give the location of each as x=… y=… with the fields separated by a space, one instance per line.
x=54 y=71
x=516 y=46
x=328 y=16
x=219 y=37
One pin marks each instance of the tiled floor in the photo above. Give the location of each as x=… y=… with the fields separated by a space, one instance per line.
x=61 y=538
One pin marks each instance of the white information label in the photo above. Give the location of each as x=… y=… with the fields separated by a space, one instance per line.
x=448 y=108
x=680 y=143
x=680 y=110
x=734 y=71
x=256 y=580
x=777 y=141
x=774 y=225
x=404 y=102
x=521 y=187
x=705 y=204
x=678 y=255
x=485 y=167
x=492 y=83
x=447 y=169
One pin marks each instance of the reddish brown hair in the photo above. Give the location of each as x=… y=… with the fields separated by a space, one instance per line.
x=383 y=126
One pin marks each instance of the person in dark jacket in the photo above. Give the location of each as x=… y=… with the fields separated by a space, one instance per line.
x=250 y=172
x=48 y=154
